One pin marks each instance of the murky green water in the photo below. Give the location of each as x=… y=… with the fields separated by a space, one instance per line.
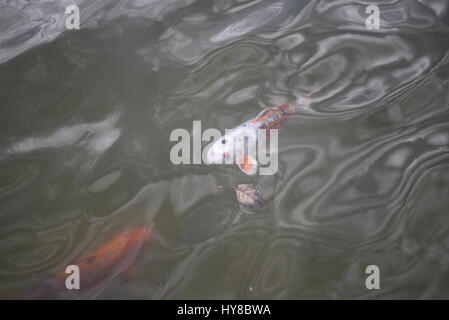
x=85 y=120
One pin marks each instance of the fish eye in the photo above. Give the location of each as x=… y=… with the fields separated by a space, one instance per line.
x=223 y=141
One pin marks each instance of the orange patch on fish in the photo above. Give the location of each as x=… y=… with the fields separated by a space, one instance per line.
x=120 y=250
x=247 y=164
x=273 y=118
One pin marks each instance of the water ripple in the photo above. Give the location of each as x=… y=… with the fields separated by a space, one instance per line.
x=86 y=116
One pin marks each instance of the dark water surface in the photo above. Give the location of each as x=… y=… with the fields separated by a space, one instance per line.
x=85 y=120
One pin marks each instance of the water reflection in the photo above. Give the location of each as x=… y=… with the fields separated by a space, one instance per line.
x=97 y=137
x=84 y=146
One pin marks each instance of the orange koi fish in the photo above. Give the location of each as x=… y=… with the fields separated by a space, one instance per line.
x=109 y=259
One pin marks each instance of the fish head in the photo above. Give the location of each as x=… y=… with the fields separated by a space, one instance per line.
x=222 y=149
x=234 y=145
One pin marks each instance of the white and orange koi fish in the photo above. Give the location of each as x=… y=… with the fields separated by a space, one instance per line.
x=235 y=141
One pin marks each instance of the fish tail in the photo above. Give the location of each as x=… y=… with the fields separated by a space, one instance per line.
x=295 y=105
x=311 y=93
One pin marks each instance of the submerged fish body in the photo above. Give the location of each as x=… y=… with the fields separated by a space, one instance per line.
x=111 y=258
x=271 y=118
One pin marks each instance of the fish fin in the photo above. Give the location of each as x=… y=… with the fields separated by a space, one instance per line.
x=248 y=165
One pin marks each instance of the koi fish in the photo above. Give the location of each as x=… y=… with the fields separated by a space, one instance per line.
x=234 y=141
x=113 y=257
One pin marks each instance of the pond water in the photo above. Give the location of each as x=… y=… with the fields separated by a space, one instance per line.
x=363 y=179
